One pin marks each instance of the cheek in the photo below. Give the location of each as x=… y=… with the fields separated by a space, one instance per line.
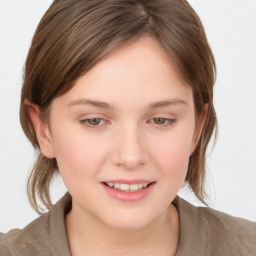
x=173 y=162
x=78 y=155
x=171 y=153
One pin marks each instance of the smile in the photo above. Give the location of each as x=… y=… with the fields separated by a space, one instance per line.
x=129 y=190
x=127 y=187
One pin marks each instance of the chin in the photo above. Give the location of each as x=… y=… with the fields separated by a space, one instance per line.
x=128 y=221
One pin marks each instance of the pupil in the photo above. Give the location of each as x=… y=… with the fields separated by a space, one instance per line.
x=159 y=120
x=94 y=121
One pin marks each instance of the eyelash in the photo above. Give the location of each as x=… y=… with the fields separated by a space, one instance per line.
x=167 y=122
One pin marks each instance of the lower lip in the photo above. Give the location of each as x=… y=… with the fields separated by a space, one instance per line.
x=128 y=196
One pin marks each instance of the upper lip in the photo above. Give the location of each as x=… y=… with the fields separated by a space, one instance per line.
x=125 y=181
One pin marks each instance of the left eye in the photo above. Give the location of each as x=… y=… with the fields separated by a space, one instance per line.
x=163 y=121
x=159 y=120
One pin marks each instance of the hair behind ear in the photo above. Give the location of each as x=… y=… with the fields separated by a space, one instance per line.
x=39 y=180
x=45 y=166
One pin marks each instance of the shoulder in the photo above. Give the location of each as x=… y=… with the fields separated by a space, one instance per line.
x=238 y=232
x=21 y=241
x=221 y=233
x=225 y=222
x=46 y=235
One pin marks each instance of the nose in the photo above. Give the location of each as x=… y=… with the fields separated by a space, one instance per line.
x=129 y=150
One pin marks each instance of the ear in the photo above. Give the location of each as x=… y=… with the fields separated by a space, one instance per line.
x=41 y=128
x=200 y=121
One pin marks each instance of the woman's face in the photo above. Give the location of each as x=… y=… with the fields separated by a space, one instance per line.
x=122 y=136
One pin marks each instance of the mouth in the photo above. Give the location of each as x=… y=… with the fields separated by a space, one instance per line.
x=128 y=187
x=129 y=190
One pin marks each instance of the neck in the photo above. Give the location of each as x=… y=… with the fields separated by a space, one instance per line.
x=87 y=234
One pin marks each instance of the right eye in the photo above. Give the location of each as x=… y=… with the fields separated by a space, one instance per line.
x=93 y=122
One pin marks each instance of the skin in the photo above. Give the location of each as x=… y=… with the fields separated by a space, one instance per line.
x=126 y=143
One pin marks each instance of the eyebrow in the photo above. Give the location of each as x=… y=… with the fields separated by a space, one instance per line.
x=101 y=104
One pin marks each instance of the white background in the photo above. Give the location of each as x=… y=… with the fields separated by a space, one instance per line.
x=231 y=29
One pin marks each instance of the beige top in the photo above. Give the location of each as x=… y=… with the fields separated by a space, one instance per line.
x=203 y=231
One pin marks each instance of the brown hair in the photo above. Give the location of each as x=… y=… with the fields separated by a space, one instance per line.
x=74 y=35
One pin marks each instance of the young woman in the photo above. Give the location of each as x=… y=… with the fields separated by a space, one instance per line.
x=118 y=99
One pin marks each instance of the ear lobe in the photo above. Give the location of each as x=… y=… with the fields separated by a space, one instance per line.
x=41 y=129
x=200 y=121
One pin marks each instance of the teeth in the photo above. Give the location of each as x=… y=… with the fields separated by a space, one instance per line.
x=116 y=185
x=127 y=187
x=124 y=187
x=134 y=187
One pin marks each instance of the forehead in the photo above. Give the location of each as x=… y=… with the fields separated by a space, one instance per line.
x=144 y=56
x=138 y=72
